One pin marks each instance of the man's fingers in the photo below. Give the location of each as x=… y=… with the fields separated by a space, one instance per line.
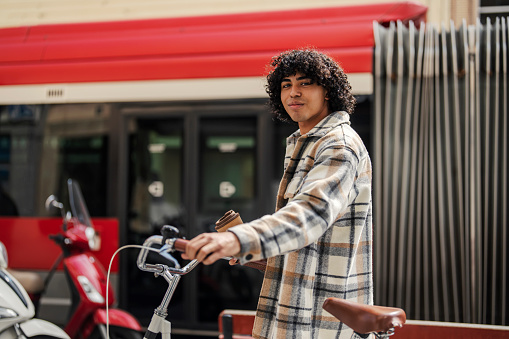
x=212 y=258
x=203 y=252
x=194 y=246
x=210 y=247
x=210 y=251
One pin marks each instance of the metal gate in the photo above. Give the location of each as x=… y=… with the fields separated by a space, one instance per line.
x=440 y=170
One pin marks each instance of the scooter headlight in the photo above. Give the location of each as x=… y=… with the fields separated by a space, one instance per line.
x=90 y=291
x=94 y=240
x=6 y=313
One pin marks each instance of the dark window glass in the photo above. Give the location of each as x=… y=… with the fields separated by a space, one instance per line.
x=227 y=164
x=155 y=199
x=75 y=145
x=228 y=180
x=84 y=160
x=492 y=9
x=494 y=3
x=5 y=156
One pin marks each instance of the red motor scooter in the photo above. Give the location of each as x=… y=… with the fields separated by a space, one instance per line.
x=86 y=276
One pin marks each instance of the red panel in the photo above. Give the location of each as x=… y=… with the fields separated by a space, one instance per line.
x=243 y=324
x=242 y=321
x=190 y=44
x=233 y=65
x=404 y=11
x=15 y=34
x=29 y=247
x=304 y=17
x=439 y=330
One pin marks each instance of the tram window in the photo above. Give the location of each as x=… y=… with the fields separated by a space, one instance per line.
x=83 y=160
x=156 y=175
x=492 y=9
x=75 y=145
x=8 y=206
x=228 y=152
x=5 y=156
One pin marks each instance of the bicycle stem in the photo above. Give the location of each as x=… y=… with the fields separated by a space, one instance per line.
x=173 y=280
x=171 y=275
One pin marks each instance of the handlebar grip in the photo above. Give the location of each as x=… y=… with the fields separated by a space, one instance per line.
x=180 y=245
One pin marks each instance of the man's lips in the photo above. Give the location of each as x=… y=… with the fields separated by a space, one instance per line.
x=295 y=104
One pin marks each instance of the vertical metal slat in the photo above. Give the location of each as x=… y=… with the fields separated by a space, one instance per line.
x=457 y=147
x=484 y=116
x=503 y=184
x=386 y=158
x=494 y=173
x=419 y=220
x=396 y=246
x=468 y=34
x=407 y=176
x=377 y=163
x=416 y=170
x=446 y=209
x=432 y=170
x=477 y=175
x=426 y=99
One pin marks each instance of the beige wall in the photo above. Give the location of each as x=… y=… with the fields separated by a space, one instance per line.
x=35 y=12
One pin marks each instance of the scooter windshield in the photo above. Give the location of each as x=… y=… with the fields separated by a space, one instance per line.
x=78 y=206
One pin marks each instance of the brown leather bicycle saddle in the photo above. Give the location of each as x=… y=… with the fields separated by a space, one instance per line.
x=365 y=318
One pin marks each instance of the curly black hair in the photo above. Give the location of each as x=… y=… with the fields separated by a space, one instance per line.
x=320 y=68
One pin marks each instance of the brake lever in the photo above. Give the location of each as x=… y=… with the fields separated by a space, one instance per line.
x=164 y=252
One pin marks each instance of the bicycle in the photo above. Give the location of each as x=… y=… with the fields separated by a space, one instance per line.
x=363 y=319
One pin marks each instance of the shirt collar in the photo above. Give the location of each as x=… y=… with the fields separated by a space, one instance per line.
x=326 y=124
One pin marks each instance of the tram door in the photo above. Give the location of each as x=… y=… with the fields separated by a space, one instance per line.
x=155 y=180
x=188 y=170
x=227 y=181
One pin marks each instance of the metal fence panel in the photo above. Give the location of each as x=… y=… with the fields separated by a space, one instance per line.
x=440 y=170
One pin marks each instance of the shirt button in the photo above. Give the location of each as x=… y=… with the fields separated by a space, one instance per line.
x=249 y=257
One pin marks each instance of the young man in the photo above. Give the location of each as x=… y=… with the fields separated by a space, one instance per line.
x=318 y=243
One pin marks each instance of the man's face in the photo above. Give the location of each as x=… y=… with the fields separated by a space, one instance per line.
x=304 y=100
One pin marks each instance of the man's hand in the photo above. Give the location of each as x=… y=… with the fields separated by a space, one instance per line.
x=210 y=247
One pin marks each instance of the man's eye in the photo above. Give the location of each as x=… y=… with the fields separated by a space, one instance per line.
x=285 y=85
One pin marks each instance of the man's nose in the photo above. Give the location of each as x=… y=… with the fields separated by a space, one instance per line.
x=294 y=92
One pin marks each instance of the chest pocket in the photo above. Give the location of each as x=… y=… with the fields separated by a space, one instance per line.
x=294 y=187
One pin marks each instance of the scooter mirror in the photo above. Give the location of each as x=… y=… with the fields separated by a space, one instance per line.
x=52 y=201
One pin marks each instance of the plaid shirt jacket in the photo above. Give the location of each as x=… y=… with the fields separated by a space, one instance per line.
x=319 y=240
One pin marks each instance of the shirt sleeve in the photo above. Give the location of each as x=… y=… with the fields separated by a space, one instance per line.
x=316 y=199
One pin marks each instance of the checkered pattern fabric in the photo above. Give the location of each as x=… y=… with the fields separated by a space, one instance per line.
x=319 y=240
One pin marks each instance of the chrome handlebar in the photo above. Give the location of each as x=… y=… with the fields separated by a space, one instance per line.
x=170 y=245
